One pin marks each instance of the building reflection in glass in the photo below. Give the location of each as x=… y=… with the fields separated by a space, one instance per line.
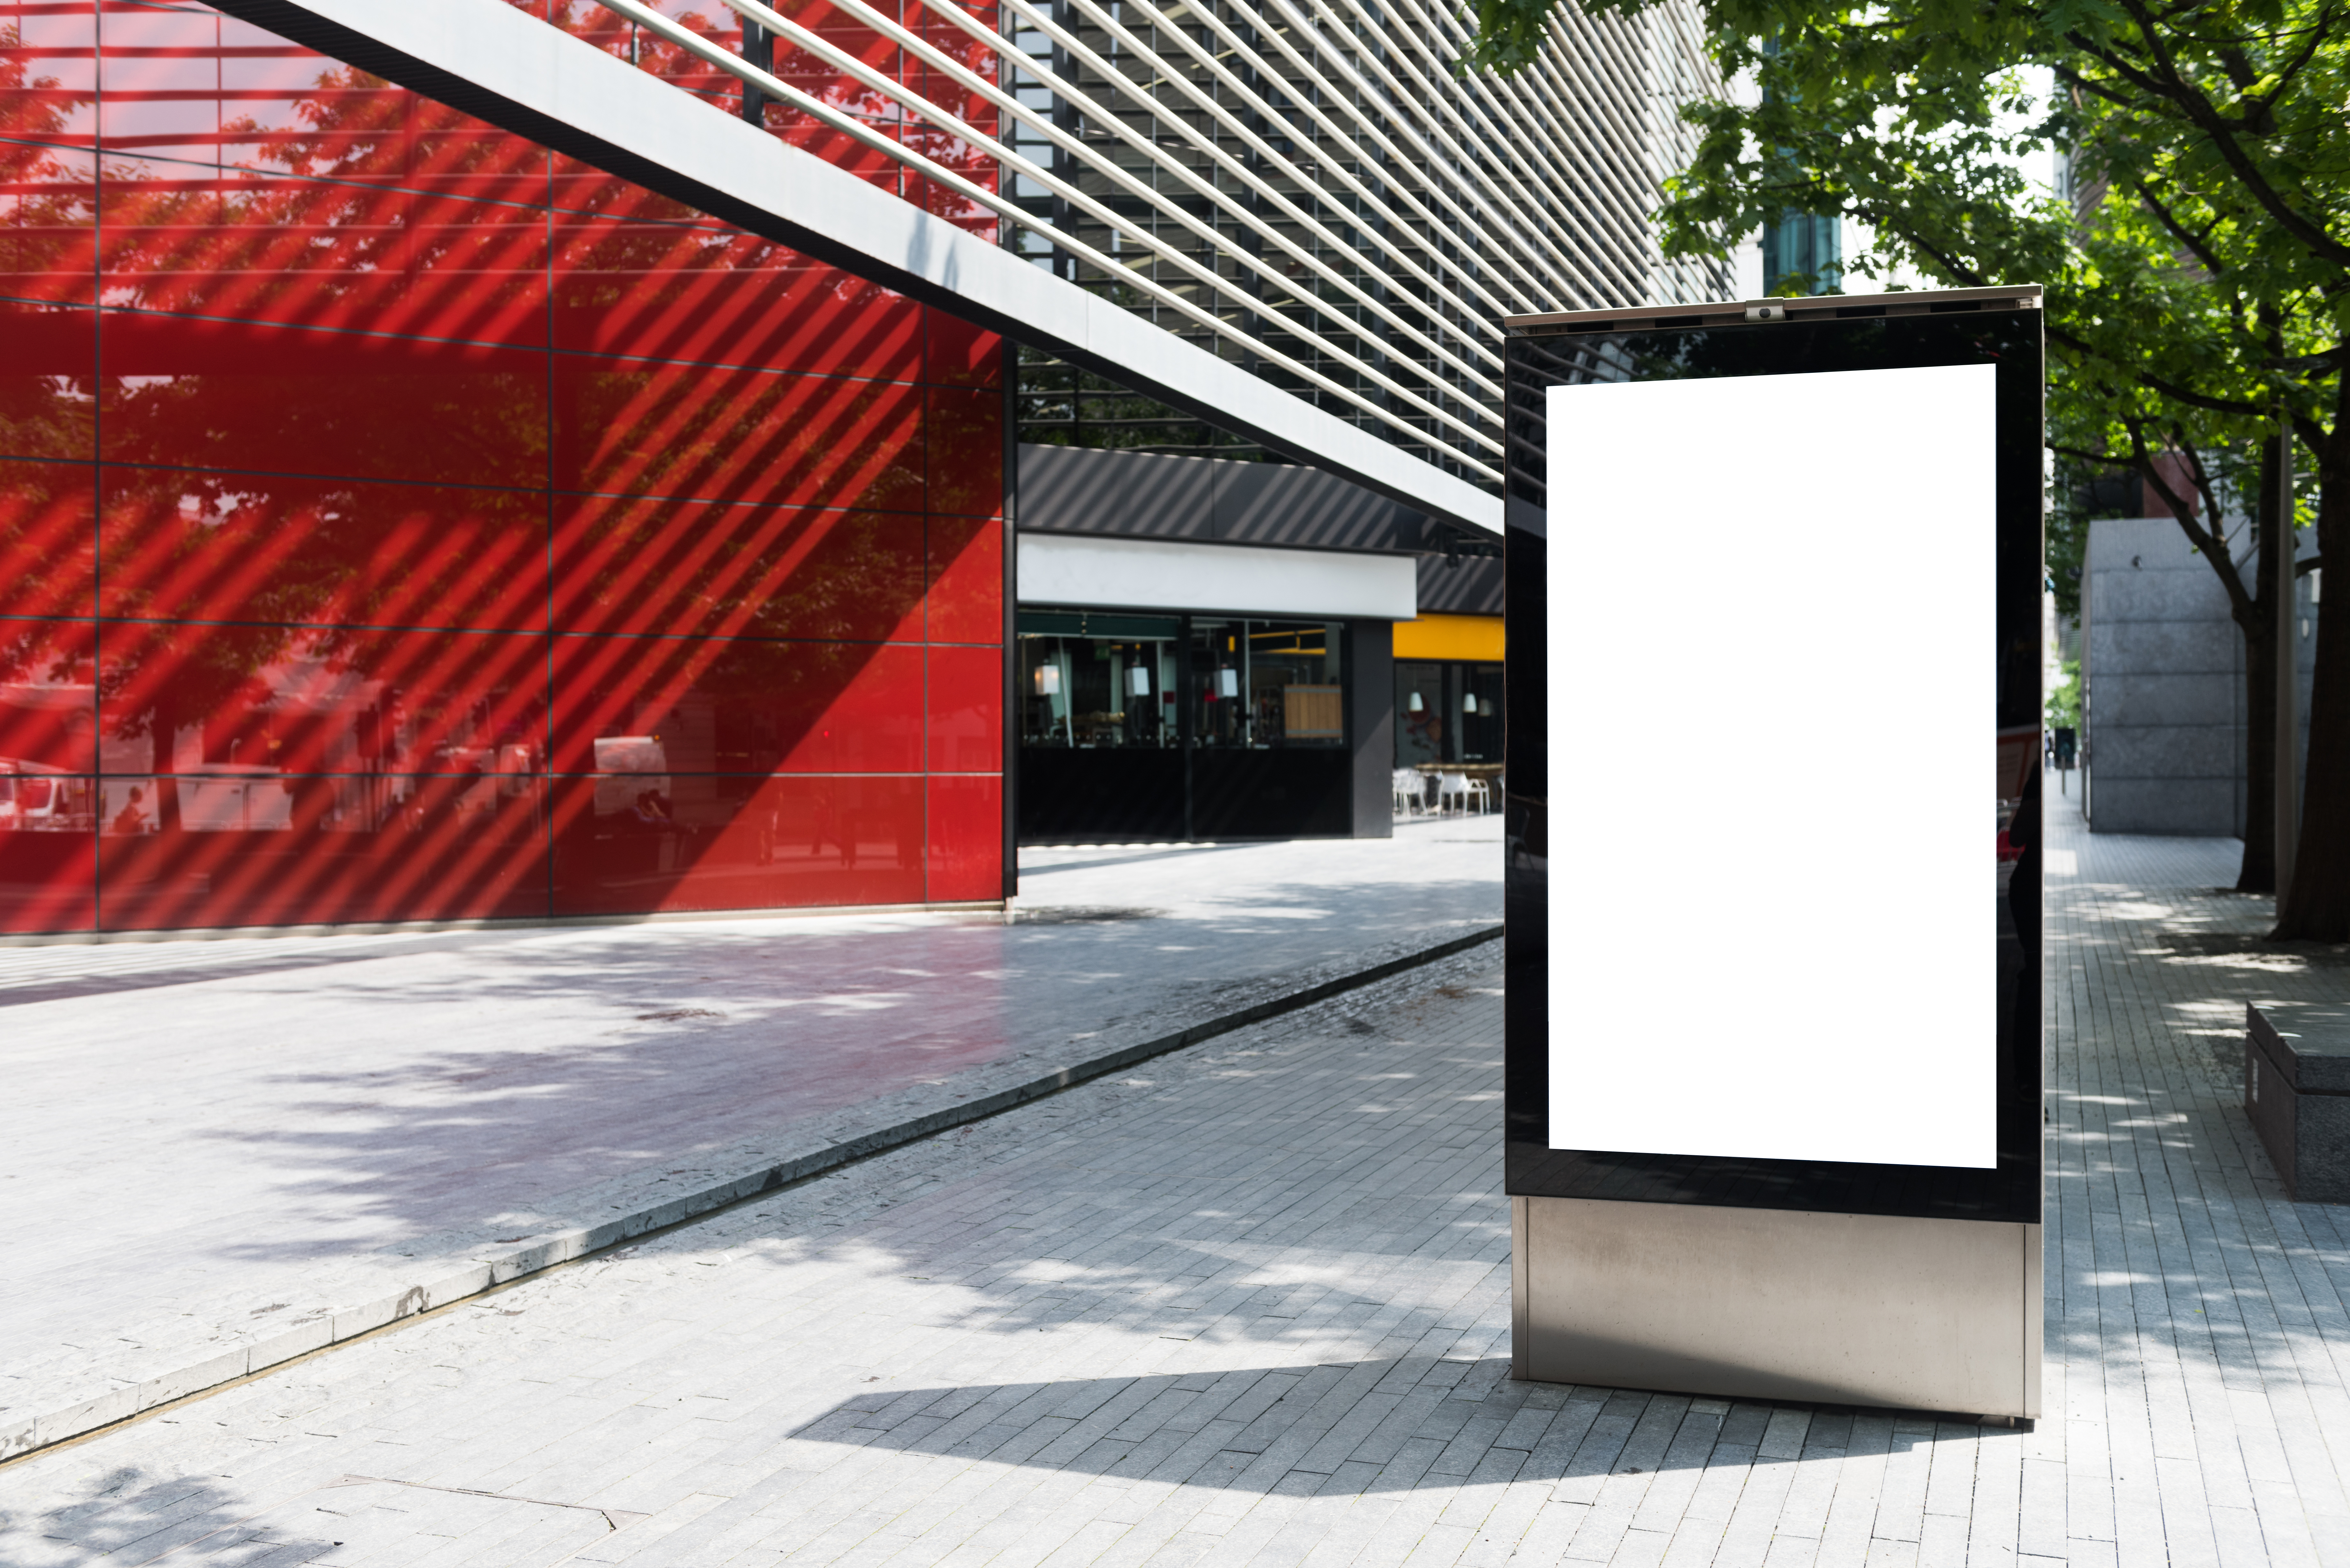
x=454 y=530
x=1447 y=711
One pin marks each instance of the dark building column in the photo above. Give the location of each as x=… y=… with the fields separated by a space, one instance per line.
x=1370 y=724
x=1008 y=366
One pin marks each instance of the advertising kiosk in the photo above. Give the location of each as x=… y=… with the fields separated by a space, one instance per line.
x=1773 y=1105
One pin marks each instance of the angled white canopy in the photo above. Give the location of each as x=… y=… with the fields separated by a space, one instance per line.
x=494 y=61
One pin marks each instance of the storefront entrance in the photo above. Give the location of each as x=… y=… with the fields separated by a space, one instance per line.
x=1146 y=727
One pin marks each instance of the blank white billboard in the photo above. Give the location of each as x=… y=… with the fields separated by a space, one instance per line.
x=1771 y=682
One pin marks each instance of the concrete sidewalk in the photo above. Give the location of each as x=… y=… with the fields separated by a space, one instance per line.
x=224 y=1152
x=1248 y=1308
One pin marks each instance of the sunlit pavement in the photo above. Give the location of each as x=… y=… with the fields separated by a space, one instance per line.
x=1248 y=1305
x=213 y=1145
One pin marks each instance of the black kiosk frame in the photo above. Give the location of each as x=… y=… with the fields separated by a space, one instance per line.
x=1915 y=1286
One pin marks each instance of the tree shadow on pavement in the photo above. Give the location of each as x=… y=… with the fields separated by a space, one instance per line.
x=345 y=1519
x=130 y=1517
x=659 y=1049
x=302 y=1114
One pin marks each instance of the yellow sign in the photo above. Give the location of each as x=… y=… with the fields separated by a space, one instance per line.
x=1470 y=636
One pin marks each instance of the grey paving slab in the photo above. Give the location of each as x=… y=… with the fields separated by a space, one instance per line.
x=1096 y=1331
x=224 y=1152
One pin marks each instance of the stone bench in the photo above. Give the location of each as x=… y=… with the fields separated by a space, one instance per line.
x=2297 y=1093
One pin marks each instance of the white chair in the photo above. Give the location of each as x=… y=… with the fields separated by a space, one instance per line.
x=1451 y=786
x=1410 y=792
x=1479 y=790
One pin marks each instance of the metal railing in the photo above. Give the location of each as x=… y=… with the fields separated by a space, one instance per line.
x=1304 y=185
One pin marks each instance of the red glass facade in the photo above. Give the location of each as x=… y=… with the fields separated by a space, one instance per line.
x=399 y=521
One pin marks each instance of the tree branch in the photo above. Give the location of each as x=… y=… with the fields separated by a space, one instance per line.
x=2317 y=37
x=2152 y=382
x=2170 y=86
x=2201 y=474
x=1890 y=222
x=2194 y=243
x=2168 y=388
x=2239 y=602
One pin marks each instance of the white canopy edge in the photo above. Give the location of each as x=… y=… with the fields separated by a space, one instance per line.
x=1096 y=572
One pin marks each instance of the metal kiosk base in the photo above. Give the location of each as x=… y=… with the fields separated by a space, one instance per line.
x=1845 y=1309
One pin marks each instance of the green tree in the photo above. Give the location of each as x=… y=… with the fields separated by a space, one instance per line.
x=2064 y=698
x=2197 y=271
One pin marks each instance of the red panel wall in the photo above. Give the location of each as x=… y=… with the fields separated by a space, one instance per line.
x=398 y=522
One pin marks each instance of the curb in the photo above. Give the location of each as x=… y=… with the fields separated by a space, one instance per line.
x=544 y=1251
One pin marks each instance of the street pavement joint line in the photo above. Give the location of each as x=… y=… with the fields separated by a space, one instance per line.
x=615 y=1520
x=136 y=1401
x=618 y=1518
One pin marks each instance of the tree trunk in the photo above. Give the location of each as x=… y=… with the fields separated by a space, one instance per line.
x=2256 y=618
x=2258 y=872
x=2316 y=906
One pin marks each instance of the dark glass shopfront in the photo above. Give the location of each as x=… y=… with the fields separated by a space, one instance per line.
x=1448 y=712
x=1139 y=727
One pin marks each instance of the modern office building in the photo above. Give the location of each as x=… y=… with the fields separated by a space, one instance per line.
x=2162 y=677
x=467 y=461
x=1376 y=233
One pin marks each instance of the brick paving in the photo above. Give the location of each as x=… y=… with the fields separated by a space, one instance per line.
x=1248 y=1305
x=224 y=1152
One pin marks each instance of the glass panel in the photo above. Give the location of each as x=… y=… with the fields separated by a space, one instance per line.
x=1422 y=726
x=238 y=846
x=195 y=392
x=48 y=556
x=965 y=443
x=49 y=697
x=681 y=842
x=230 y=699
x=186 y=239
x=699 y=568
x=46 y=378
x=966 y=571
x=49 y=867
x=1219 y=675
x=627 y=285
x=957 y=354
x=212 y=89
x=1481 y=712
x=1296 y=683
x=643 y=428
x=49 y=53
x=965 y=857
x=1265 y=683
x=48 y=216
x=1104 y=691
x=261 y=548
x=738 y=705
x=966 y=698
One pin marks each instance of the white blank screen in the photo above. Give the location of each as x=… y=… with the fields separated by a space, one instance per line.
x=1772 y=668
